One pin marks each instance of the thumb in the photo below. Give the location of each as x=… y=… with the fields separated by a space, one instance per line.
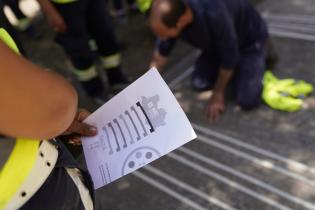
x=83 y=129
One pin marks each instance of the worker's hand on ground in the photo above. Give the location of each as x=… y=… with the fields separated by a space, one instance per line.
x=78 y=128
x=158 y=61
x=215 y=106
x=56 y=21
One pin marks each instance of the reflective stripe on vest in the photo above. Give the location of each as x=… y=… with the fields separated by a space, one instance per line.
x=84 y=75
x=111 y=61
x=63 y=1
x=46 y=158
x=23 y=156
x=17 y=168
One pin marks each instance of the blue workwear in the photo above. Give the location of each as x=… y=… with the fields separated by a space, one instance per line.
x=231 y=35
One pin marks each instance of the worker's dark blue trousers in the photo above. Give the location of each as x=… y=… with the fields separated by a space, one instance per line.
x=247 y=78
x=86 y=19
x=118 y=4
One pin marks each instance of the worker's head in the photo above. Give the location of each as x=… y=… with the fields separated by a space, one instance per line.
x=169 y=17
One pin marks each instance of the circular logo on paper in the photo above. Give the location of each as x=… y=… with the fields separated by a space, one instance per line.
x=138 y=158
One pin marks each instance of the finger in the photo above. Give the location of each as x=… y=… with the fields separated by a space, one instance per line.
x=82 y=114
x=211 y=109
x=58 y=28
x=218 y=113
x=61 y=26
x=222 y=108
x=74 y=142
x=77 y=140
x=207 y=113
x=65 y=28
x=83 y=129
x=212 y=114
x=215 y=114
x=61 y=30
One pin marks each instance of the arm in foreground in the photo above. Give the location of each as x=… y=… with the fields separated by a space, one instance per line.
x=34 y=103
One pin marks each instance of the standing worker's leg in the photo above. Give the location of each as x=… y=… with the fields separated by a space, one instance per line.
x=75 y=42
x=102 y=31
x=14 y=6
x=249 y=76
x=133 y=6
x=24 y=23
x=118 y=8
x=4 y=23
x=205 y=73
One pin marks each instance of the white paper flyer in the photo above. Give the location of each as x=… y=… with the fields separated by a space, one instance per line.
x=137 y=126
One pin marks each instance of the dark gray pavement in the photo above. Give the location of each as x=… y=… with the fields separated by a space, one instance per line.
x=261 y=159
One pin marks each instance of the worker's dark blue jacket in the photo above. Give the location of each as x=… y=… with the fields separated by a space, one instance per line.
x=222 y=28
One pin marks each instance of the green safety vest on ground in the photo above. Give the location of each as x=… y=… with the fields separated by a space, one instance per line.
x=284 y=94
x=144 y=5
x=21 y=157
x=63 y=1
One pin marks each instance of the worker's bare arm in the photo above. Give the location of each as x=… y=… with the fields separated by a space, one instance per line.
x=34 y=103
x=216 y=104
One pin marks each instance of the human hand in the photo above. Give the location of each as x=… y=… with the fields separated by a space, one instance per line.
x=215 y=106
x=56 y=21
x=158 y=61
x=78 y=129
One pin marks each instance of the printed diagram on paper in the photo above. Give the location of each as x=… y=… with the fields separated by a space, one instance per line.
x=139 y=125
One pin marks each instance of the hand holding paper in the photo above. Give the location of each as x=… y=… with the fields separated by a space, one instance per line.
x=140 y=124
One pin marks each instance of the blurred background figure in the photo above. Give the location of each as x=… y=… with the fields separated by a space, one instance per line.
x=23 y=24
x=118 y=8
x=232 y=37
x=76 y=22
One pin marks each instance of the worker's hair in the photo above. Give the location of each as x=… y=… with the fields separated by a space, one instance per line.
x=169 y=17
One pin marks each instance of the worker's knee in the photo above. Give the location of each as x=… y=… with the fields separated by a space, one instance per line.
x=248 y=101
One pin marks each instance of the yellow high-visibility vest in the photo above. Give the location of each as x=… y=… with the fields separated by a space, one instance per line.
x=17 y=168
x=7 y=39
x=144 y=5
x=22 y=157
x=284 y=94
x=63 y=1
